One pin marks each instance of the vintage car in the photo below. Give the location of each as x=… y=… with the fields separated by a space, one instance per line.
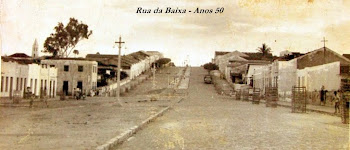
x=208 y=79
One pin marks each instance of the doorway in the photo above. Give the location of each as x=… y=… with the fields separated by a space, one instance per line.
x=11 y=81
x=65 y=87
x=80 y=85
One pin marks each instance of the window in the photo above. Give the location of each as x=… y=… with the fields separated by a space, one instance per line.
x=52 y=65
x=94 y=69
x=80 y=68
x=66 y=68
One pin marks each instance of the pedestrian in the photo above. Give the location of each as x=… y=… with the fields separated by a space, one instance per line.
x=44 y=98
x=30 y=95
x=337 y=101
x=323 y=96
x=77 y=93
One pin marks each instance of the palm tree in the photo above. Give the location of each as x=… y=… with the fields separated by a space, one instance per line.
x=264 y=49
x=76 y=52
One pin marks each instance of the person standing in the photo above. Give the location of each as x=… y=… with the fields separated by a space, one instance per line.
x=323 y=96
x=30 y=95
x=337 y=102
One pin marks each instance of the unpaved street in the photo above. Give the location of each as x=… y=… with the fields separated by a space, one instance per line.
x=73 y=124
x=206 y=120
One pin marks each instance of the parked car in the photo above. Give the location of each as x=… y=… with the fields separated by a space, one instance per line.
x=208 y=79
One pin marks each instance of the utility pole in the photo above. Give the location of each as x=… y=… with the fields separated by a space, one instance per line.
x=154 y=76
x=119 y=67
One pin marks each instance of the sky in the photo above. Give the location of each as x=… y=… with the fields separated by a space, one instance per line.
x=294 y=25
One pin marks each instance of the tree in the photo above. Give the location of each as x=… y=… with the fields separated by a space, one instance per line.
x=264 y=49
x=210 y=66
x=63 y=41
x=163 y=61
x=76 y=52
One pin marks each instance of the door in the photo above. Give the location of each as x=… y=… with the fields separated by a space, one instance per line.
x=50 y=89
x=80 y=85
x=65 y=87
x=11 y=81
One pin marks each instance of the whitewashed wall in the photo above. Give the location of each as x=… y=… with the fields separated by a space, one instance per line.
x=313 y=78
x=286 y=78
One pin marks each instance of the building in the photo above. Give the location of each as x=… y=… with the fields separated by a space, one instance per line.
x=133 y=64
x=321 y=67
x=73 y=73
x=154 y=55
x=217 y=56
x=17 y=74
x=35 y=50
x=237 y=67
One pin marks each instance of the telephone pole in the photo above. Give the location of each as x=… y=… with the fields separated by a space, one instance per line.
x=119 y=67
x=154 y=76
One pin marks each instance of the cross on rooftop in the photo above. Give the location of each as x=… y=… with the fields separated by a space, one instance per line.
x=324 y=41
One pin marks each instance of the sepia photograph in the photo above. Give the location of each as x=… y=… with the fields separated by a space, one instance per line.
x=174 y=74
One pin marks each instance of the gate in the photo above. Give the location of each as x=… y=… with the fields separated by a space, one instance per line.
x=298 y=99
x=344 y=100
x=238 y=95
x=256 y=96
x=271 y=97
x=245 y=94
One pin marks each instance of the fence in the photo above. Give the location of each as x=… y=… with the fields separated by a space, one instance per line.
x=298 y=99
x=256 y=96
x=271 y=97
x=245 y=94
x=345 y=98
x=238 y=95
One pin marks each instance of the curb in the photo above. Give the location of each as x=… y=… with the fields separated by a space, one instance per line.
x=114 y=142
x=312 y=110
x=5 y=105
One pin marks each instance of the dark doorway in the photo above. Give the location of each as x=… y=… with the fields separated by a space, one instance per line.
x=80 y=85
x=50 y=89
x=65 y=87
x=11 y=81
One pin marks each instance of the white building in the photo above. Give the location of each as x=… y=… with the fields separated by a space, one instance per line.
x=134 y=64
x=19 y=74
x=321 y=67
x=74 y=73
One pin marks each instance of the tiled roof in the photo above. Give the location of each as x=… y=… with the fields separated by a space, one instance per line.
x=347 y=55
x=257 y=56
x=139 y=55
x=20 y=61
x=101 y=56
x=218 y=53
x=19 y=55
x=81 y=59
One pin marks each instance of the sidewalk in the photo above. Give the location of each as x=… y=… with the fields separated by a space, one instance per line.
x=7 y=102
x=223 y=88
x=314 y=108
